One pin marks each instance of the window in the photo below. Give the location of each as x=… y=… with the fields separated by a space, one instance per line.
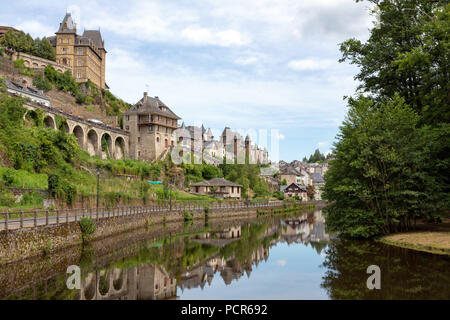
x=80 y=62
x=139 y=139
x=128 y=118
x=150 y=128
x=79 y=75
x=139 y=153
x=64 y=50
x=80 y=51
x=157 y=139
x=127 y=128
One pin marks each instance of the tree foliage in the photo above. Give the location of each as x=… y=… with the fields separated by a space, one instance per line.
x=391 y=157
x=407 y=53
x=316 y=157
x=22 y=42
x=387 y=171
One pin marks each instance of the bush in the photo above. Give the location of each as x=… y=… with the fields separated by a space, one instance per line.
x=279 y=195
x=187 y=216
x=88 y=227
x=8 y=177
x=41 y=82
x=53 y=184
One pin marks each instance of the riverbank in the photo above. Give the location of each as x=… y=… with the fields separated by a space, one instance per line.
x=432 y=238
x=19 y=244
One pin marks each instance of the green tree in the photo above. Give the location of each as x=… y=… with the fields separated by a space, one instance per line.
x=22 y=42
x=381 y=179
x=407 y=53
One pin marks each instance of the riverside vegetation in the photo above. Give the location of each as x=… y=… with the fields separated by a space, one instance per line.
x=391 y=159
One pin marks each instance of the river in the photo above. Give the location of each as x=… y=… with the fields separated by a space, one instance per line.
x=265 y=258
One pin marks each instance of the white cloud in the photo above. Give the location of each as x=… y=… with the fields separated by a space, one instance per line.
x=311 y=64
x=281 y=263
x=322 y=144
x=206 y=36
x=35 y=28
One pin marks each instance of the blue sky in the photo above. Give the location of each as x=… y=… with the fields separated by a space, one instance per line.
x=247 y=64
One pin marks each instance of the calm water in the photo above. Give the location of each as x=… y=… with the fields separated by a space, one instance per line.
x=268 y=258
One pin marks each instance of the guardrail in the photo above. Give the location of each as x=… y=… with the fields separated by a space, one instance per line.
x=38 y=218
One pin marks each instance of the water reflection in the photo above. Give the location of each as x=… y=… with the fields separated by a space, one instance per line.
x=273 y=258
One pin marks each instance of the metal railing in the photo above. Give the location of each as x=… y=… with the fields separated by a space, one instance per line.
x=38 y=218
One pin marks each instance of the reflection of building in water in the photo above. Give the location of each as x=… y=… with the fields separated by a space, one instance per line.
x=304 y=229
x=230 y=269
x=318 y=233
x=219 y=238
x=149 y=282
x=229 y=233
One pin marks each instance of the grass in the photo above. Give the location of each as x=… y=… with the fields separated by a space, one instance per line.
x=25 y=179
x=433 y=238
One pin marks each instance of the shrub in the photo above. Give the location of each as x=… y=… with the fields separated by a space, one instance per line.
x=8 y=177
x=187 y=216
x=88 y=227
x=53 y=184
x=279 y=195
x=41 y=82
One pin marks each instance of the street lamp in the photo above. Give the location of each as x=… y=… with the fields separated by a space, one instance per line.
x=98 y=187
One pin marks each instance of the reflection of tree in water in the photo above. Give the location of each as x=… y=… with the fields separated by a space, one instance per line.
x=405 y=274
x=318 y=245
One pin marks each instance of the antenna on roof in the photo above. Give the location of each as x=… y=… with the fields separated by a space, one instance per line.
x=146 y=87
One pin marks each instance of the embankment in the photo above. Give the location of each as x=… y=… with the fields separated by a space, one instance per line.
x=16 y=245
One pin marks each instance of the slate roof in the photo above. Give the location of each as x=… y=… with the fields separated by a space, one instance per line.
x=25 y=90
x=154 y=106
x=216 y=182
x=290 y=170
x=67 y=25
x=303 y=188
x=317 y=178
x=95 y=36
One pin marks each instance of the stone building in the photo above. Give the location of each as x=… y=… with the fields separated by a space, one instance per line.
x=25 y=91
x=152 y=127
x=230 y=146
x=295 y=189
x=218 y=187
x=85 y=54
x=5 y=29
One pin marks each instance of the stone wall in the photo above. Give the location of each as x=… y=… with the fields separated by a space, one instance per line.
x=20 y=244
x=37 y=272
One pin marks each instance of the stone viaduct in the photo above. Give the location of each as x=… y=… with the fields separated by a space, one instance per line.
x=34 y=62
x=89 y=134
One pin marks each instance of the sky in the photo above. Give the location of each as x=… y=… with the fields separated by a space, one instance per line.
x=250 y=65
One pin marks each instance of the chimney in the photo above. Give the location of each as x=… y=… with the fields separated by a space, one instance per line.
x=25 y=83
x=145 y=96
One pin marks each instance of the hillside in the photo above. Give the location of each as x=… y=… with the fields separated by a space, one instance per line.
x=83 y=100
x=32 y=156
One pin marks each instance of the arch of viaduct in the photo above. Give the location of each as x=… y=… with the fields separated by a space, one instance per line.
x=89 y=134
